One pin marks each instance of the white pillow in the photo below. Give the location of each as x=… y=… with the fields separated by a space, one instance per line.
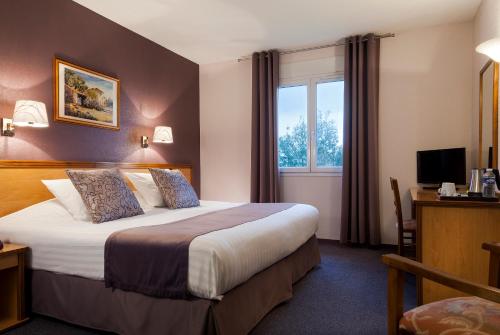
x=144 y=205
x=65 y=192
x=147 y=188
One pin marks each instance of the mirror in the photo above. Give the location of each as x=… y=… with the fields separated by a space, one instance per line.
x=488 y=115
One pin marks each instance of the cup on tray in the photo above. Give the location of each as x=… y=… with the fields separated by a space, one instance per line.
x=447 y=190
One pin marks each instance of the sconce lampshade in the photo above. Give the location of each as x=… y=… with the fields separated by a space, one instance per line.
x=490 y=48
x=163 y=135
x=29 y=113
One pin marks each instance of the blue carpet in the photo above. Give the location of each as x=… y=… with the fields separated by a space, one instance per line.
x=346 y=294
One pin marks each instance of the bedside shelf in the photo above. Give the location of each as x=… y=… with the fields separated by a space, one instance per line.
x=12 y=308
x=8 y=324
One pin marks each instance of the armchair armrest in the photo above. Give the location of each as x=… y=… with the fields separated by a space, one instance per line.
x=399 y=265
x=466 y=286
x=494 y=268
x=493 y=247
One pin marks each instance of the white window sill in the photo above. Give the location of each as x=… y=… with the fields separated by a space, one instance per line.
x=311 y=174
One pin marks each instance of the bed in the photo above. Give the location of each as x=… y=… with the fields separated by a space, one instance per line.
x=235 y=276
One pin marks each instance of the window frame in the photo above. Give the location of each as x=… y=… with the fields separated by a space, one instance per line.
x=311 y=83
x=314 y=116
x=296 y=83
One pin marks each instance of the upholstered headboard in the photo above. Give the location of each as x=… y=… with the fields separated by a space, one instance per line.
x=21 y=186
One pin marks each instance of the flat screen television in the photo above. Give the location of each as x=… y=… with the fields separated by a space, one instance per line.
x=440 y=166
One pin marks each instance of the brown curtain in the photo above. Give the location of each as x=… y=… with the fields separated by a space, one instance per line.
x=265 y=81
x=360 y=219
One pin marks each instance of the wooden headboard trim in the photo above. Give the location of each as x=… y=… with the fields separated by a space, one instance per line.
x=19 y=164
x=21 y=186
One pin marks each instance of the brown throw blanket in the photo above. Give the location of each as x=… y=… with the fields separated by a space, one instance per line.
x=154 y=260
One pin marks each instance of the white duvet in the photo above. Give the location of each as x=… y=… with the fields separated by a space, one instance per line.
x=218 y=261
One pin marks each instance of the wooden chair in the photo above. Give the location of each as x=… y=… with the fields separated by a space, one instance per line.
x=480 y=310
x=407 y=229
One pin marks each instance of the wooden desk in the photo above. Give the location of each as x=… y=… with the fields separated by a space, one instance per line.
x=449 y=238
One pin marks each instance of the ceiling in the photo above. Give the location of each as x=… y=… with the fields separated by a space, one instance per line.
x=208 y=31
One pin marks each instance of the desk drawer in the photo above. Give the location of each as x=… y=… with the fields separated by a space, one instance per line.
x=9 y=261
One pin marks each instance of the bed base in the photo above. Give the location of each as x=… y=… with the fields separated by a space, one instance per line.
x=88 y=303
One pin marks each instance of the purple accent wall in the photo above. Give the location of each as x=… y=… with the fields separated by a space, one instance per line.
x=158 y=87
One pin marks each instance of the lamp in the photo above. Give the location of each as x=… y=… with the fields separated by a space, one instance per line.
x=27 y=113
x=490 y=48
x=163 y=135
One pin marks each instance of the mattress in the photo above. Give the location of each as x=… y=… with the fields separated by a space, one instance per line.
x=218 y=261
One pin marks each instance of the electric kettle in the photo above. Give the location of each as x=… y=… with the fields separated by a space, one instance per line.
x=475 y=187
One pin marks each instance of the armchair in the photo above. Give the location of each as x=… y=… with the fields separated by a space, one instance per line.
x=479 y=314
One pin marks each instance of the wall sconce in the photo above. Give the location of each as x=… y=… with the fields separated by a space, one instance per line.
x=27 y=113
x=490 y=48
x=7 y=127
x=144 y=142
x=162 y=134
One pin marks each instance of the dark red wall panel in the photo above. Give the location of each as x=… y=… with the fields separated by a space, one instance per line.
x=158 y=87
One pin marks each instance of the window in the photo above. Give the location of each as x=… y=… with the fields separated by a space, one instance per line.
x=329 y=122
x=293 y=139
x=310 y=120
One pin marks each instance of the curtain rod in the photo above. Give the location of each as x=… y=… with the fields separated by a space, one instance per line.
x=287 y=52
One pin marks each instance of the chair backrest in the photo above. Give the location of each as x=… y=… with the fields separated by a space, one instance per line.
x=397 y=201
x=399 y=213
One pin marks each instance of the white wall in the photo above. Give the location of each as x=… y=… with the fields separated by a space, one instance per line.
x=486 y=26
x=225 y=130
x=323 y=192
x=425 y=103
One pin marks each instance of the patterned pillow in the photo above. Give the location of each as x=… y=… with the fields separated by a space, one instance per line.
x=175 y=189
x=105 y=194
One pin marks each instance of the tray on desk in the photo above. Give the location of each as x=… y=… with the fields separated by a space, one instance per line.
x=466 y=198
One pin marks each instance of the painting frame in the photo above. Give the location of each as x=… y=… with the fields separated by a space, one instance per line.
x=83 y=115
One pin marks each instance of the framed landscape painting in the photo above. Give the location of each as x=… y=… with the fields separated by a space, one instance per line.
x=85 y=97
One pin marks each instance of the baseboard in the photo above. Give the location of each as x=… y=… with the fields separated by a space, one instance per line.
x=349 y=245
